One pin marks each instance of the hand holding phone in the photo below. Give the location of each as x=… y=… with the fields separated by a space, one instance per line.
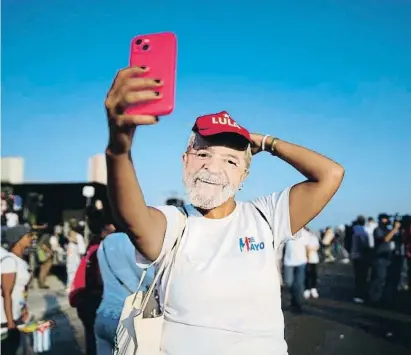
x=158 y=53
x=143 y=91
x=128 y=88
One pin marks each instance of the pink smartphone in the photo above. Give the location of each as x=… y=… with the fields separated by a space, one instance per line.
x=158 y=52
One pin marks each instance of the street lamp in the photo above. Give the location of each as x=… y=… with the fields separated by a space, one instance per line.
x=88 y=193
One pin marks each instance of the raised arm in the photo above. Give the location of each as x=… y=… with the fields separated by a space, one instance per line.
x=324 y=177
x=145 y=226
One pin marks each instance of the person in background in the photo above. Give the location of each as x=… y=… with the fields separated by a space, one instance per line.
x=395 y=269
x=370 y=228
x=348 y=237
x=313 y=244
x=15 y=277
x=327 y=241
x=121 y=275
x=4 y=204
x=92 y=294
x=361 y=257
x=295 y=263
x=45 y=257
x=76 y=248
x=12 y=218
x=57 y=249
x=406 y=237
x=383 y=252
x=98 y=205
x=340 y=250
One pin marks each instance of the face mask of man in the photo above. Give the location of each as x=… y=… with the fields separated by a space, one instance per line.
x=208 y=190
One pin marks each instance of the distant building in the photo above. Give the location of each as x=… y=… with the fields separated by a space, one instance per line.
x=97 y=169
x=12 y=170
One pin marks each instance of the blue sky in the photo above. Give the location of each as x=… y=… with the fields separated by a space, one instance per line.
x=334 y=76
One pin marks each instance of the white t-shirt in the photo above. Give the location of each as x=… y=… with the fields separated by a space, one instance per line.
x=74 y=253
x=314 y=243
x=11 y=263
x=12 y=219
x=296 y=249
x=54 y=243
x=225 y=295
x=369 y=228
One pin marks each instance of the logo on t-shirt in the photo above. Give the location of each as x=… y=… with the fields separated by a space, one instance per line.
x=249 y=244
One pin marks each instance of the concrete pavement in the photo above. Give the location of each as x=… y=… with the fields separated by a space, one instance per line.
x=43 y=303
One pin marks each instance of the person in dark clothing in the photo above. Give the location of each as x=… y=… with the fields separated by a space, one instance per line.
x=92 y=295
x=394 y=272
x=406 y=238
x=382 y=259
x=87 y=307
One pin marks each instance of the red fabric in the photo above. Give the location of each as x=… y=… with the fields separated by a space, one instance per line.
x=82 y=278
x=209 y=125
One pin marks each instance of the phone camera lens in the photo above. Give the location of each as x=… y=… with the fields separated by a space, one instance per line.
x=146 y=47
x=139 y=41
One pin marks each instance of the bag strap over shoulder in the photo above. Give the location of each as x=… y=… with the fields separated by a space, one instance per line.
x=268 y=223
x=182 y=227
x=263 y=216
x=168 y=261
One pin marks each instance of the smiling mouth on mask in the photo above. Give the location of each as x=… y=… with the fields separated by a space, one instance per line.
x=209 y=182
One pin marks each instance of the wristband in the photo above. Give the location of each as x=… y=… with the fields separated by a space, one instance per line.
x=273 y=146
x=263 y=142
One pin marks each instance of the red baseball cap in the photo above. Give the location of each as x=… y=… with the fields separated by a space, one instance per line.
x=216 y=123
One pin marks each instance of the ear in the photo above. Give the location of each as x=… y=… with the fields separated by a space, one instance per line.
x=184 y=158
x=245 y=175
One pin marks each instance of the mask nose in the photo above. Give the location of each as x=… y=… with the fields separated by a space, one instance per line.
x=214 y=166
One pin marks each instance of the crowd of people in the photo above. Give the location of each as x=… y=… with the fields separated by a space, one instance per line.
x=381 y=256
x=30 y=250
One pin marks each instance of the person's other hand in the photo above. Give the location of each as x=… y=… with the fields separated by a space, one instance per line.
x=256 y=142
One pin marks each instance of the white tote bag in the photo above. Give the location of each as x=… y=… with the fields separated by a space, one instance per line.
x=140 y=327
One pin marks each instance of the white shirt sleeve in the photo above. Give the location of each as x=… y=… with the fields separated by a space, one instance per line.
x=54 y=243
x=306 y=237
x=8 y=265
x=172 y=215
x=276 y=207
x=314 y=241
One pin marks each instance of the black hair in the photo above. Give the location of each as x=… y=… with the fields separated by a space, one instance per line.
x=361 y=220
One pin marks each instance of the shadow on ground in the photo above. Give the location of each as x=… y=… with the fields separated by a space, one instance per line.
x=63 y=336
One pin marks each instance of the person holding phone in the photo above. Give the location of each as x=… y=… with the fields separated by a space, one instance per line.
x=224 y=294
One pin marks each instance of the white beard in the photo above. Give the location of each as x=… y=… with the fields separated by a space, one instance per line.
x=208 y=191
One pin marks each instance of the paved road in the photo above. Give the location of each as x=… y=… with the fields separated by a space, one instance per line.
x=331 y=325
